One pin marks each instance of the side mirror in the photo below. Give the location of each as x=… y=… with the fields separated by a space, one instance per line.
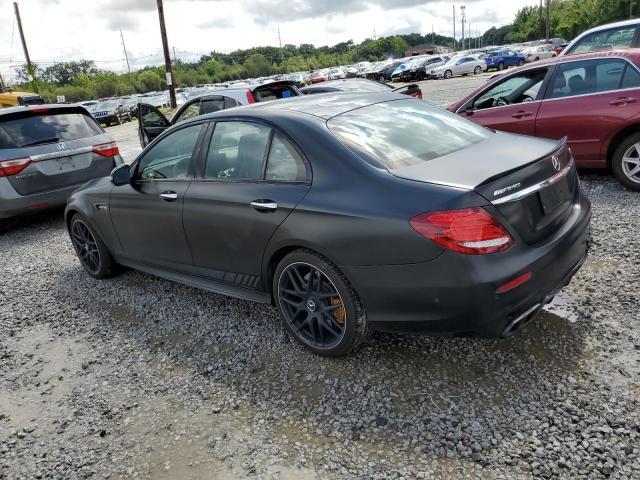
x=121 y=175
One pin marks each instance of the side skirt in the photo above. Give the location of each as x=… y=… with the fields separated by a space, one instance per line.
x=195 y=281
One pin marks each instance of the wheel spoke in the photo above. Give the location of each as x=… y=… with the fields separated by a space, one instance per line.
x=291 y=302
x=634 y=171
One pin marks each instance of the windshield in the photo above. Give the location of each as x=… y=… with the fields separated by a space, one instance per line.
x=402 y=133
x=108 y=106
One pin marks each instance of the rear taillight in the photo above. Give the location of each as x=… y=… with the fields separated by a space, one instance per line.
x=471 y=231
x=109 y=149
x=13 y=166
x=250 y=98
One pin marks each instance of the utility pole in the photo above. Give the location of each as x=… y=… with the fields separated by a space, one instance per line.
x=548 y=19
x=541 y=22
x=630 y=8
x=167 y=58
x=2 y=86
x=30 y=70
x=281 y=52
x=126 y=57
x=462 y=18
x=454 y=28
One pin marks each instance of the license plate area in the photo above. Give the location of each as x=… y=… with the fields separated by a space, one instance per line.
x=554 y=196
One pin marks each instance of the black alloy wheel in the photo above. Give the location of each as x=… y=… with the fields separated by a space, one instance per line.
x=317 y=304
x=93 y=254
x=86 y=246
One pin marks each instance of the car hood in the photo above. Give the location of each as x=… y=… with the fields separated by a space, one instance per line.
x=472 y=166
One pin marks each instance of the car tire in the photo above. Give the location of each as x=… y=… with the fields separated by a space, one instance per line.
x=118 y=120
x=537 y=58
x=324 y=315
x=477 y=70
x=623 y=162
x=92 y=252
x=520 y=62
x=552 y=56
x=501 y=66
x=381 y=79
x=448 y=74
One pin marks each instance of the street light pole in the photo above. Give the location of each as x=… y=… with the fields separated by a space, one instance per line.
x=167 y=58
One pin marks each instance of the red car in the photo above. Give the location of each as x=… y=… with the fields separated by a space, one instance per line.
x=317 y=77
x=593 y=99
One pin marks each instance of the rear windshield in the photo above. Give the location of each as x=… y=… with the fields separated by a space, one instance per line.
x=274 y=92
x=32 y=130
x=402 y=133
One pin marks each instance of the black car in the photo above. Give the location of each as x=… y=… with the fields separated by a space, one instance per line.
x=349 y=212
x=360 y=85
x=112 y=112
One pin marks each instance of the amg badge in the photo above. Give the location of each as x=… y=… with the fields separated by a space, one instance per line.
x=506 y=189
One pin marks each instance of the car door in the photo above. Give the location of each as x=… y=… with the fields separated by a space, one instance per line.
x=251 y=178
x=147 y=213
x=510 y=105
x=151 y=123
x=585 y=102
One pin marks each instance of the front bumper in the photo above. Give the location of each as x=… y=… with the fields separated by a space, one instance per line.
x=455 y=295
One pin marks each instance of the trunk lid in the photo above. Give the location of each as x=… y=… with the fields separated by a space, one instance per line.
x=531 y=182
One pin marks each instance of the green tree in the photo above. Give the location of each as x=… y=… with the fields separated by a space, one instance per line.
x=257 y=65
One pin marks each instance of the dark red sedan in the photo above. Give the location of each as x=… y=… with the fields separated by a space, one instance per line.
x=593 y=99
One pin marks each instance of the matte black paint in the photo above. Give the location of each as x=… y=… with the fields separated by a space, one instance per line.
x=352 y=213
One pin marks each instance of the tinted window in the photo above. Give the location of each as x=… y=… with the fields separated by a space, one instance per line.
x=47 y=128
x=589 y=76
x=171 y=156
x=230 y=102
x=237 y=151
x=404 y=132
x=515 y=89
x=212 y=105
x=284 y=164
x=615 y=39
x=631 y=78
x=192 y=110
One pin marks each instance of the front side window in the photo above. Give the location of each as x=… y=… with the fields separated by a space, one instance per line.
x=237 y=151
x=520 y=88
x=587 y=77
x=615 y=39
x=169 y=159
x=192 y=110
x=212 y=105
x=402 y=133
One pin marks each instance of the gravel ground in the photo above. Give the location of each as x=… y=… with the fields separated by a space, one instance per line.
x=137 y=377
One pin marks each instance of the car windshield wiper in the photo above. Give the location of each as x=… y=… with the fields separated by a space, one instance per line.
x=42 y=141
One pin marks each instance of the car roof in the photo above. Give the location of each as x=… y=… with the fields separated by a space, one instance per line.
x=607 y=26
x=632 y=54
x=323 y=106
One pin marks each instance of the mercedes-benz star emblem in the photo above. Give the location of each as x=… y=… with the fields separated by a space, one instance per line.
x=555 y=161
x=311 y=305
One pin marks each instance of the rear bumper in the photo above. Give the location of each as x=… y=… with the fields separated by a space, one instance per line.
x=456 y=294
x=12 y=204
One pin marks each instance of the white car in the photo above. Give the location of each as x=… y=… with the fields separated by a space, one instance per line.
x=534 y=54
x=460 y=66
x=336 y=74
x=612 y=36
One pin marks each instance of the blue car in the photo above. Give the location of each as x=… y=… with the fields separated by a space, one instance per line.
x=502 y=59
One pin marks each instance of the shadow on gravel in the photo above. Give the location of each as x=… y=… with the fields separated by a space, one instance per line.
x=401 y=395
x=45 y=219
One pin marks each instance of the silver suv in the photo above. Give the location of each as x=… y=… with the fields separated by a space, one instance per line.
x=48 y=151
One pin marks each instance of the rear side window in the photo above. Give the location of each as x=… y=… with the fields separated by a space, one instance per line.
x=212 y=105
x=402 y=133
x=587 y=77
x=615 y=39
x=237 y=151
x=46 y=128
x=631 y=78
x=284 y=163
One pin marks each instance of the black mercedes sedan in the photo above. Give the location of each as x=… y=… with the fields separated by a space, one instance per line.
x=349 y=212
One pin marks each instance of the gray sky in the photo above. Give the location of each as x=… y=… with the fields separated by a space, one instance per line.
x=63 y=30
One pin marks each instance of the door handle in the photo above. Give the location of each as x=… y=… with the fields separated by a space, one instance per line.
x=521 y=114
x=169 y=196
x=622 y=101
x=264 y=205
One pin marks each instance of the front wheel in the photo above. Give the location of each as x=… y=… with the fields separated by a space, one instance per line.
x=92 y=252
x=520 y=62
x=625 y=162
x=318 y=305
x=448 y=74
x=501 y=66
x=381 y=78
x=477 y=70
